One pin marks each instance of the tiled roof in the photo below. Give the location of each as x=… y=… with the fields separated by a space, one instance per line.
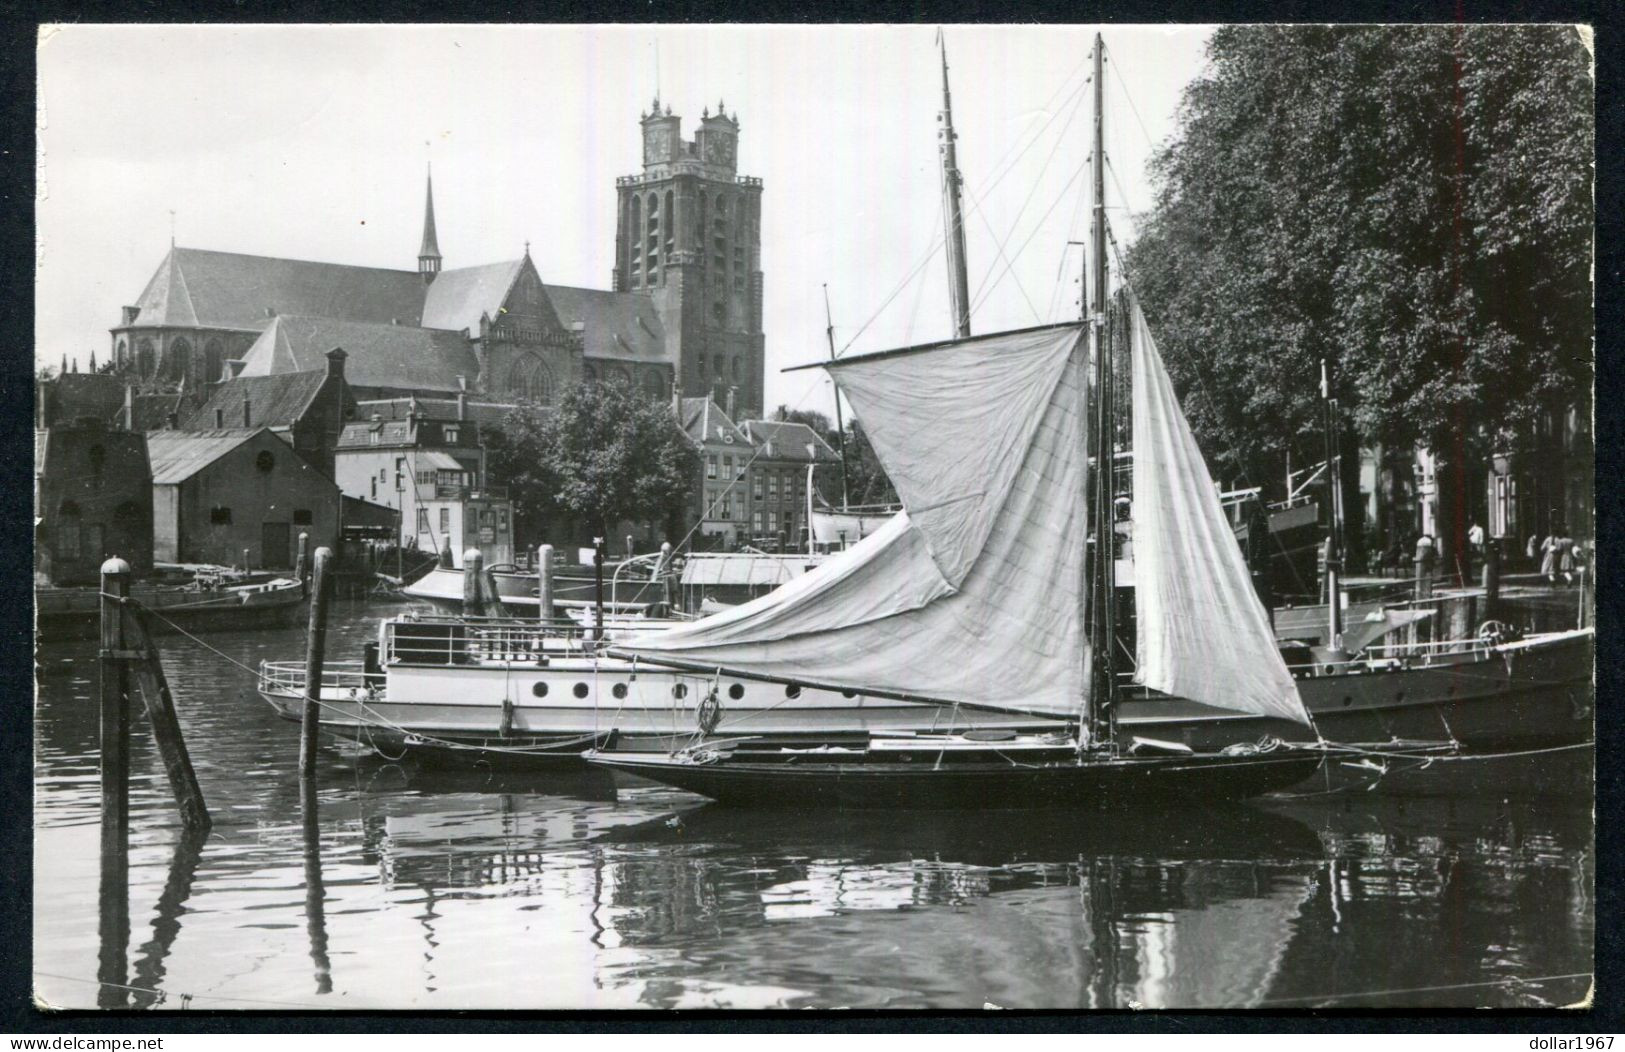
x=485 y=413
x=273 y=401
x=376 y=355
x=73 y=395
x=178 y=455
x=390 y=433
x=788 y=440
x=196 y=287
x=458 y=298
x=704 y=421
x=622 y=325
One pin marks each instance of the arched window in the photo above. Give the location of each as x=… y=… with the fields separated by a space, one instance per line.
x=617 y=374
x=176 y=362
x=532 y=380
x=120 y=353
x=633 y=239
x=669 y=229
x=213 y=359
x=145 y=358
x=654 y=385
x=737 y=371
x=589 y=375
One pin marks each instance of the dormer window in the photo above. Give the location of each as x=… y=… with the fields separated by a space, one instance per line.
x=451 y=435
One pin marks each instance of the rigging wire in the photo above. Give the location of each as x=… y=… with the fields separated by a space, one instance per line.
x=999 y=177
x=982 y=289
x=1040 y=224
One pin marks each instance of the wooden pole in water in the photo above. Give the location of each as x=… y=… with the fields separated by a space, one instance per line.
x=473 y=567
x=1492 y=577
x=245 y=560
x=321 y=590
x=166 y=726
x=114 y=912
x=664 y=573
x=301 y=562
x=544 y=583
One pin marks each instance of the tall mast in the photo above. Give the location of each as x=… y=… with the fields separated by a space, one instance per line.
x=953 y=217
x=1103 y=696
x=840 y=425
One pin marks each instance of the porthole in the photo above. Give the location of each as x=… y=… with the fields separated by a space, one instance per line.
x=680 y=690
x=1348 y=699
x=1399 y=696
x=619 y=690
x=736 y=691
x=793 y=690
x=581 y=690
x=539 y=689
x=849 y=693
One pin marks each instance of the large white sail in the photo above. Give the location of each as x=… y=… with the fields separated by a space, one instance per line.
x=973 y=593
x=1202 y=632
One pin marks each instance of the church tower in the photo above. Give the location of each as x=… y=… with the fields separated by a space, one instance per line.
x=688 y=234
x=429 y=252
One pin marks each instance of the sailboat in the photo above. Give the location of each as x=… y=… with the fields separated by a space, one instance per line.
x=994 y=590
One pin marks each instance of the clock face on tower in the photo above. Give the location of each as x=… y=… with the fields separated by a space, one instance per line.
x=656 y=143
x=719 y=150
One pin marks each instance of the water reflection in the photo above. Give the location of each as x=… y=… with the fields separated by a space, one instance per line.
x=394 y=885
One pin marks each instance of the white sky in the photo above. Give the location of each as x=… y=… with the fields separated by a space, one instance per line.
x=310 y=142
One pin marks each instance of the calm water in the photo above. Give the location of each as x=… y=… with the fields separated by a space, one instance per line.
x=436 y=889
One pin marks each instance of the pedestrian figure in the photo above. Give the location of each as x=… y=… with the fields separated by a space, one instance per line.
x=1531 y=550
x=1565 y=555
x=1548 y=558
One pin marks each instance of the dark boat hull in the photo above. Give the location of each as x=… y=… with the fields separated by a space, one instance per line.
x=60 y=616
x=1520 y=697
x=1133 y=782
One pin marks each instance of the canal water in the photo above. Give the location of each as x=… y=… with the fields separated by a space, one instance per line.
x=441 y=889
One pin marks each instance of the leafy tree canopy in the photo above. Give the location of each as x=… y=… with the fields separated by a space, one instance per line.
x=605 y=454
x=1413 y=204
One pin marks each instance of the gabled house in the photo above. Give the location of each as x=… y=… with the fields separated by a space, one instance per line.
x=721 y=503
x=782 y=453
x=236 y=496
x=306 y=409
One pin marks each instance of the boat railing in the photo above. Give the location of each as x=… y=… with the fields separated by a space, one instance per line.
x=288 y=677
x=478 y=641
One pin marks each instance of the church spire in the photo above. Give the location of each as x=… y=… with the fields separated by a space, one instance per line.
x=429 y=253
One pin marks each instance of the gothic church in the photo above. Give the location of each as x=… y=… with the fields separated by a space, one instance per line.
x=686 y=307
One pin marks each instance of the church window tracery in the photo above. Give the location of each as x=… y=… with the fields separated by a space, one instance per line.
x=532 y=380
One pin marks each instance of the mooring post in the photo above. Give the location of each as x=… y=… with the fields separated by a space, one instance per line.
x=663 y=573
x=631 y=549
x=114 y=906
x=301 y=563
x=1492 y=578
x=473 y=571
x=165 y=723
x=544 y=583
x=598 y=587
x=321 y=591
x=245 y=560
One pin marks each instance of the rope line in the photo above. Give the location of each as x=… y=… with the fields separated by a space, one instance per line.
x=1509 y=981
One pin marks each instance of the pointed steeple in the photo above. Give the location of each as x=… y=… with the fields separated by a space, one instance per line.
x=429 y=253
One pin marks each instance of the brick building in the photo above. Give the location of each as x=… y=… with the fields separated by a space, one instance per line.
x=219 y=493
x=782 y=451
x=92 y=500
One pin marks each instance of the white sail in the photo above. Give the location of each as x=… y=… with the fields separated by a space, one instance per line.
x=973 y=593
x=1202 y=632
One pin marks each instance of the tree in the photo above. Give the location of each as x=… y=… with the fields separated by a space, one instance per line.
x=604 y=455
x=1412 y=204
x=868 y=481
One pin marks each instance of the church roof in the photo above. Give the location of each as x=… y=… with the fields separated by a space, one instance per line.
x=178 y=455
x=228 y=290
x=73 y=395
x=377 y=355
x=458 y=298
x=430 y=249
x=273 y=401
x=622 y=325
